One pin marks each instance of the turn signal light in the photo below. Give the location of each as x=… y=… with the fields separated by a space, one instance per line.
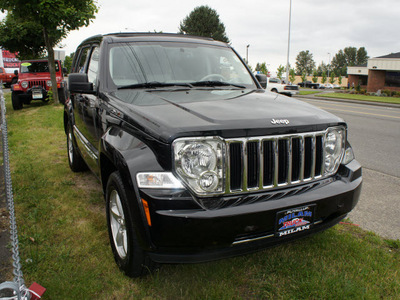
x=146 y=211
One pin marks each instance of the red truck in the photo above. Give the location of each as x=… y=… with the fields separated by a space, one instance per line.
x=34 y=82
x=7 y=78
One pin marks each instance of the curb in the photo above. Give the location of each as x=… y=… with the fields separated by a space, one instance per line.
x=394 y=105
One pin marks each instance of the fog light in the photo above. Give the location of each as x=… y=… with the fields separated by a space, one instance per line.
x=208 y=181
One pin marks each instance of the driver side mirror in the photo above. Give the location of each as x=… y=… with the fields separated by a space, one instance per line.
x=262 y=79
x=79 y=83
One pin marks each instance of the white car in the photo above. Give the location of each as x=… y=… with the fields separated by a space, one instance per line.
x=329 y=86
x=276 y=85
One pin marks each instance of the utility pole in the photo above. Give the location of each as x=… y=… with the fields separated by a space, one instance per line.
x=288 y=47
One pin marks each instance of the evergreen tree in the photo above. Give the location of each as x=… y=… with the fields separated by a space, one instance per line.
x=204 y=21
x=362 y=56
x=305 y=63
x=347 y=57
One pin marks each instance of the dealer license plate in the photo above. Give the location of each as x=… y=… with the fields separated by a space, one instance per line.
x=37 y=94
x=294 y=220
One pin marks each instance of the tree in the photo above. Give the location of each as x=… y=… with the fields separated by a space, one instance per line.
x=68 y=61
x=292 y=75
x=322 y=68
x=303 y=77
x=262 y=68
x=323 y=80
x=204 y=21
x=280 y=70
x=305 y=63
x=339 y=63
x=349 y=56
x=52 y=21
x=315 y=77
x=332 y=77
x=22 y=37
x=362 y=56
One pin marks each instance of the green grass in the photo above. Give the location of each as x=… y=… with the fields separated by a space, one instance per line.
x=362 y=97
x=309 y=92
x=64 y=242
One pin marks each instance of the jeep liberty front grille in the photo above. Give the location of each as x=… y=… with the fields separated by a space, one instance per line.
x=263 y=163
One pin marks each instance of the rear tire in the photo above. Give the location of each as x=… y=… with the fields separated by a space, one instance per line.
x=129 y=256
x=75 y=160
x=17 y=103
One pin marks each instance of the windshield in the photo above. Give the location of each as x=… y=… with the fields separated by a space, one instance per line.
x=36 y=67
x=158 y=63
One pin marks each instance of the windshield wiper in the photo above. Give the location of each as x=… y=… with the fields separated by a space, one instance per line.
x=153 y=84
x=216 y=83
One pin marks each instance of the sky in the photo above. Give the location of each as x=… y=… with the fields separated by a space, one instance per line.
x=321 y=26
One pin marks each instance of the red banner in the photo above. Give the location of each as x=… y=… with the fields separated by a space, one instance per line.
x=10 y=60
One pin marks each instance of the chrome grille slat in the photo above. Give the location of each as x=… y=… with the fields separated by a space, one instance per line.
x=276 y=163
x=290 y=159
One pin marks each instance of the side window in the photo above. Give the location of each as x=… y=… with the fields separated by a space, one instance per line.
x=93 y=66
x=80 y=68
x=1 y=70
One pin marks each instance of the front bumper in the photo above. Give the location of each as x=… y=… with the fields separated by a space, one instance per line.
x=34 y=93
x=184 y=231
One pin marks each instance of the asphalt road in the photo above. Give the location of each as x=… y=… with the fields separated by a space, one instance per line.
x=374 y=133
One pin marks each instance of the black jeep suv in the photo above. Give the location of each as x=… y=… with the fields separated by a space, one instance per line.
x=196 y=160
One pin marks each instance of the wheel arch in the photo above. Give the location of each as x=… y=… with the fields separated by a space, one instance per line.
x=120 y=151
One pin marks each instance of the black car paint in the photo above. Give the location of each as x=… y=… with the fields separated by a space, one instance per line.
x=132 y=130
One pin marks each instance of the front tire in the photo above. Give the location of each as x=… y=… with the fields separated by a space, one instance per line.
x=128 y=254
x=17 y=103
x=61 y=95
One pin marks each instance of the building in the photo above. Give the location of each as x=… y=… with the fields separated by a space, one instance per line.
x=380 y=73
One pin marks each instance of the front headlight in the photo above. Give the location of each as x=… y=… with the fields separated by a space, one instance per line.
x=199 y=163
x=333 y=148
x=24 y=84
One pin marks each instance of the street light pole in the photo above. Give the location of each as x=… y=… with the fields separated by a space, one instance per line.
x=247 y=54
x=288 y=47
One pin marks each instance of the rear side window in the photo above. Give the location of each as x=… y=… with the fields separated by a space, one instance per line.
x=81 y=65
x=93 y=66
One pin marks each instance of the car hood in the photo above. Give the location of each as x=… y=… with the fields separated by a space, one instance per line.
x=167 y=114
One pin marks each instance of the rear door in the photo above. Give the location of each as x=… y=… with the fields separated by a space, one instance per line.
x=87 y=129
